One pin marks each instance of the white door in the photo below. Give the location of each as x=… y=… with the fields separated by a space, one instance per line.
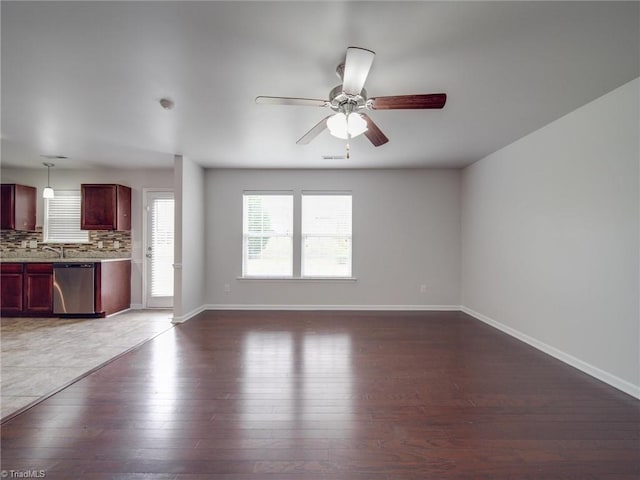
x=158 y=249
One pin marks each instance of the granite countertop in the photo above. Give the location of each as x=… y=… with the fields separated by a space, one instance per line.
x=59 y=260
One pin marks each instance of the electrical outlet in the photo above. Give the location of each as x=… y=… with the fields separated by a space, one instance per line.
x=100 y=244
x=423 y=288
x=116 y=244
x=33 y=244
x=23 y=244
x=227 y=287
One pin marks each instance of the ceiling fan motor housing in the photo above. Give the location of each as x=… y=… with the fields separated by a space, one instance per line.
x=345 y=103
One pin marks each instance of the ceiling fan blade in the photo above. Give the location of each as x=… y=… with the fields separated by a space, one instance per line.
x=430 y=100
x=314 y=132
x=356 y=68
x=305 y=102
x=373 y=133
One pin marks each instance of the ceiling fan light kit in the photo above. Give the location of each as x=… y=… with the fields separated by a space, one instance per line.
x=344 y=127
x=349 y=100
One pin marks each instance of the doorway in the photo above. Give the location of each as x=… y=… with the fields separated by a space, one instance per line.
x=158 y=248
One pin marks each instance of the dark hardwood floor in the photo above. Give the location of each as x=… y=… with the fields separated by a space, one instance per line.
x=330 y=396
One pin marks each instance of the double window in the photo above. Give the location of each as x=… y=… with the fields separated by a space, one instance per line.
x=271 y=231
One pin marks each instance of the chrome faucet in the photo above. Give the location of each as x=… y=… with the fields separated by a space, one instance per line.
x=55 y=250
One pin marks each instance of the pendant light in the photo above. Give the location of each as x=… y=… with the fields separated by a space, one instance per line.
x=48 y=191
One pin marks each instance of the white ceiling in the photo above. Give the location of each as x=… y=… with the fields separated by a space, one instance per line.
x=84 y=79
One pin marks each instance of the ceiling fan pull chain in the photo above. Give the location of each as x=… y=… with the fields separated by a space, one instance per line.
x=348 y=150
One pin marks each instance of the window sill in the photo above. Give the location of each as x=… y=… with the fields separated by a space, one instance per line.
x=298 y=279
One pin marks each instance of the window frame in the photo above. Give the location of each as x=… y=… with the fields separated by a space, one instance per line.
x=46 y=233
x=297 y=239
x=246 y=235
x=304 y=236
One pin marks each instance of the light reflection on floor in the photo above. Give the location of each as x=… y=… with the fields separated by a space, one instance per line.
x=268 y=374
x=298 y=376
x=164 y=387
x=327 y=372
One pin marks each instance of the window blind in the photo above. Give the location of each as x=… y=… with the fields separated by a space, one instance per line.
x=267 y=235
x=326 y=235
x=162 y=216
x=62 y=218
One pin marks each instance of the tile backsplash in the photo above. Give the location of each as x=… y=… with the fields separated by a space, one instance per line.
x=14 y=243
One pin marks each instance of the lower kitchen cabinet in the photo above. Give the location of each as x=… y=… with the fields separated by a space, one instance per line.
x=11 y=291
x=26 y=289
x=113 y=287
x=38 y=288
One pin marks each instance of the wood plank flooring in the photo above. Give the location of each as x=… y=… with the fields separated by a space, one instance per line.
x=330 y=396
x=39 y=356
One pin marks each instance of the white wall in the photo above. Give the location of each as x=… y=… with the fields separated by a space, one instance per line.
x=550 y=238
x=71 y=179
x=190 y=251
x=406 y=232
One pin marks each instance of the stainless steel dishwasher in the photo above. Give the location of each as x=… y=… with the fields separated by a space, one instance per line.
x=73 y=291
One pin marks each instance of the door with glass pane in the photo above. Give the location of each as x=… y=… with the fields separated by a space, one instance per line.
x=158 y=249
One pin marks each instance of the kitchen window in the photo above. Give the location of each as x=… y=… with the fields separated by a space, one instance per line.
x=62 y=218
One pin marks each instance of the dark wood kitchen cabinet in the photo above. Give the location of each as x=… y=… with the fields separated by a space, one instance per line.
x=11 y=291
x=113 y=287
x=38 y=288
x=18 y=207
x=105 y=207
x=27 y=289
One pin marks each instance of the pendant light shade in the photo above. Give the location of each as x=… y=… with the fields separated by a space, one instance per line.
x=48 y=191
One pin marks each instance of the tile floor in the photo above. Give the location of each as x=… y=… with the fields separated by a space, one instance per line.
x=39 y=355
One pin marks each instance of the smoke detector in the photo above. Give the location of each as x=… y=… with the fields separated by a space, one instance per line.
x=167 y=103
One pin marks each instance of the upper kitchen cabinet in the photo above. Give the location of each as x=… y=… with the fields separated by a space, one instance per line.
x=105 y=207
x=18 y=209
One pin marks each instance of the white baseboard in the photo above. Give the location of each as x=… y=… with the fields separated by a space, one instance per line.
x=614 y=381
x=333 y=307
x=137 y=306
x=188 y=316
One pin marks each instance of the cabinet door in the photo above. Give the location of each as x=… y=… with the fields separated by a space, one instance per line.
x=18 y=209
x=25 y=207
x=98 y=207
x=38 y=288
x=113 y=287
x=7 y=212
x=11 y=289
x=124 y=208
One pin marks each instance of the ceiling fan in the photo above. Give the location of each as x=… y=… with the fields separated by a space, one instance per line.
x=349 y=101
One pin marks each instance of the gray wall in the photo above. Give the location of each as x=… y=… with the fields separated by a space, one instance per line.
x=550 y=238
x=406 y=232
x=70 y=179
x=189 y=273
